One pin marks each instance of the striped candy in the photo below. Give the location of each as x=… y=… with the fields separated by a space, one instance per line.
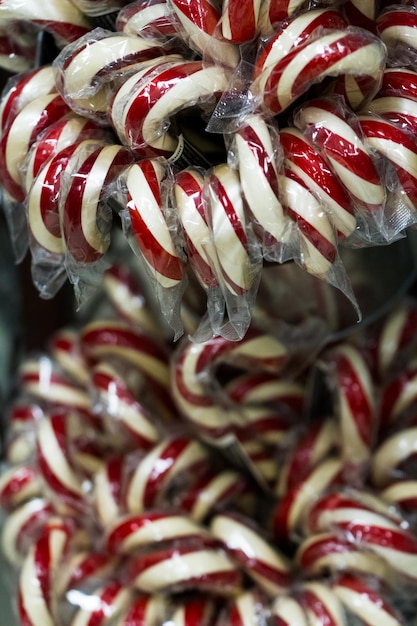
x=147 y=18
x=239 y=20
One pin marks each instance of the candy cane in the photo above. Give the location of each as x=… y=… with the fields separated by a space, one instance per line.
x=258 y=162
x=147 y=18
x=306 y=162
x=130 y=533
x=399 y=148
x=402 y=493
x=63 y=20
x=398 y=81
x=188 y=386
x=86 y=69
x=17 y=485
x=81 y=567
x=199 y=20
x=143 y=105
x=401 y=111
x=396 y=338
x=263 y=563
x=200 y=567
x=356 y=409
x=345 y=151
x=321 y=604
x=364 y=601
x=36 y=580
x=228 y=224
x=189 y=201
x=108 y=490
x=192 y=611
x=110 y=599
x=397 y=27
x=66 y=352
x=391 y=454
x=158 y=470
x=273 y=12
x=287 y=610
x=360 y=13
x=144 y=201
x=144 y=611
x=124 y=411
x=13 y=57
x=249 y=607
x=239 y=21
x=21 y=133
x=338 y=53
x=398 y=395
x=317 y=240
x=82 y=208
x=22 y=527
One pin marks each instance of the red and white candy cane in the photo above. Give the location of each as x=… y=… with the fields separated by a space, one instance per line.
x=403 y=494
x=287 y=610
x=293 y=506
x=81 y=566
x=109 y=600
x=193 y=611
x=398 y=81
x=262 y=562
x=43 y=201
x=392 y=455
x=355 y=404
x=365 y=601
x=159 y=469
x=272 y=12
x=41 y=379
x=129 y=534
x=399 y=110
x=258 y=159
x=399 y=148
x=86 y=69
x=317 y=241
x=327 y=552
x=189 y=389
x=189 y=201
x=63 y=20
x=108 y=488
x=313 y=445
x=239 y=20
x=249 y=607
x=145 y=610
x=54 y=460
x=345 y=150
x=361 y=13
x=120 y=408
x=67 y=131
x=321 y=604
x=226 y=216
x=199 y=20
x=396 y=339
x=398 y=396
x=22 y=527
x=339 y=53
x=152 y=19
x=214 y=491
x=21 y=133
x=143 y=106
x=15 y=58
x=200 y=566
x=144 y=201
x=301 y=157
x=397 y=27
x=65 y=350
x=82 y=210
x=36 y=596
x=17 y=485
x=371 y=529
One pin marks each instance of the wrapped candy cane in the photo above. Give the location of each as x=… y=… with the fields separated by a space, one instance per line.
x=256 y=148
x=400 y=150
x=199 y=21
x=153 y=19
x=17 y=485
x=340 y=53
x=200 y=566
x=21 y=133
x=108 y=490
x=321 y=604
x=301 y=158
x=201 y=610
x=239 y=20
x=398 y=81
x=397 y=28
x=143 y=106
x=87 y=69
x=355 y=410
x=36 y=581
x=392 y=454
x=402 y=493
x=268 y=568
x=401 y=111
x=145 y=610
x=249 y=607
x=189 y=389
x=22 y=527
x=109 y=600
x=63 y=20
x=272 y=12
x=160 y=468
x=359 y=13
x=287 y=610
x=84 y=219
x=364 y=601
x=346 y=152
x=15 y=58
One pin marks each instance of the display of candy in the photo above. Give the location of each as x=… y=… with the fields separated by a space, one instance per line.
x=262 y=516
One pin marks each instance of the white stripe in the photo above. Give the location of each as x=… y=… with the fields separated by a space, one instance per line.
x=31 y=592
x=55 y=458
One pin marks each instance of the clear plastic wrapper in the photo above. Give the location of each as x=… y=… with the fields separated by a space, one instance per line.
x=153 y=19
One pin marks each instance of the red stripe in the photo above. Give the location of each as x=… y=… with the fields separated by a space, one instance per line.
x=162 y=466
x=120 y=337
x=221 y=192
x=322 y=548
x=399 y=83
x=91 y=565
x=312 y=602
x=395 y=18
x=357 y=18
x=22 y=477
x=359 y=586
x=136 y=615
x=106 y=600
x=129 y=526
x=323 y=245
x=201 y=13
x=65 y=30
x=264 y=160
x=242 y=19
x=379 y=536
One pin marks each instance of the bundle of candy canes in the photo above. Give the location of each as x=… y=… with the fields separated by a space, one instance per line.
x=120 y=507
x=225 y=138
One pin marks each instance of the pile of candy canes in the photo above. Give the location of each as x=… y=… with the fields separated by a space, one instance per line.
x=120 y=508
x=225 y=137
